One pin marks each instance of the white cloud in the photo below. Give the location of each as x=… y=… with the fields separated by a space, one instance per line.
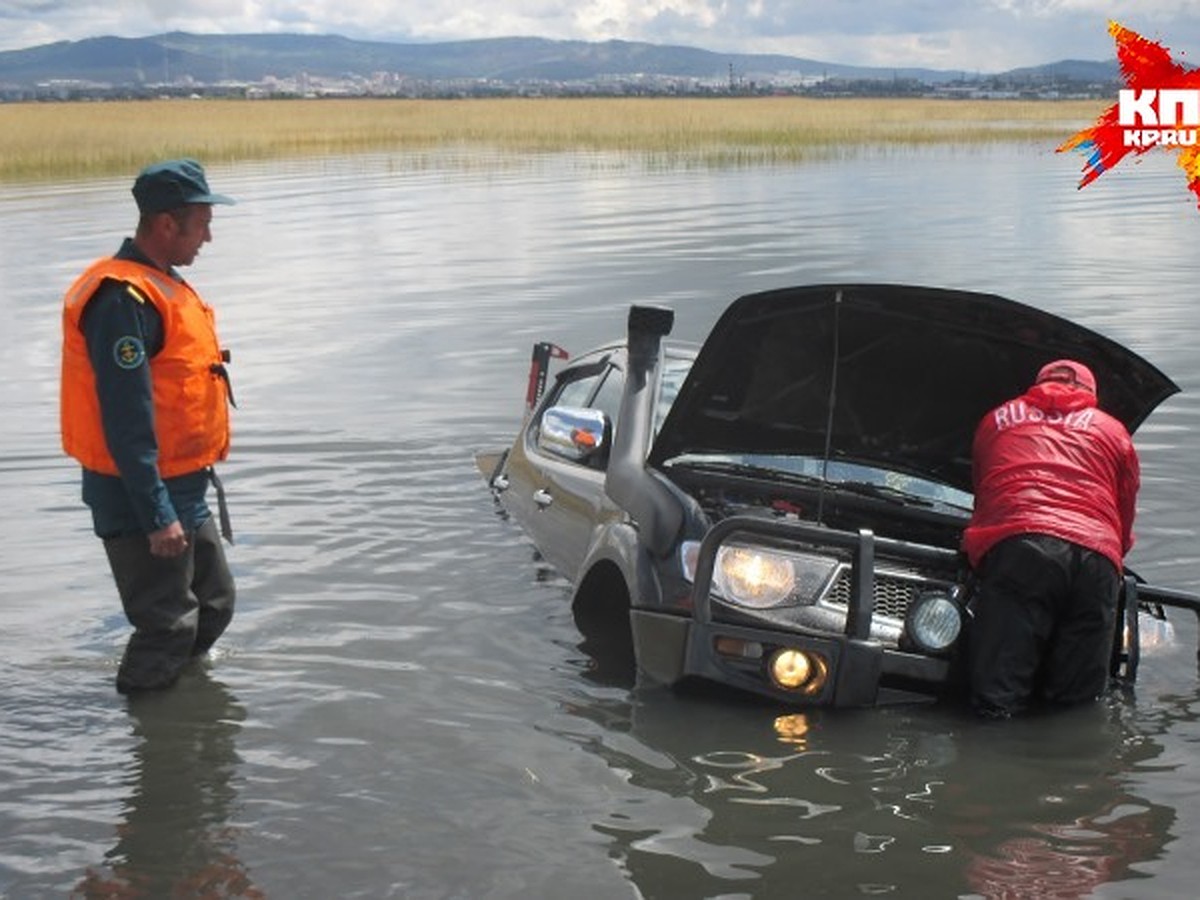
x=973 y=35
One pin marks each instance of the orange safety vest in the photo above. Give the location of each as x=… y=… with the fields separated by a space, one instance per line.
x=191 y=419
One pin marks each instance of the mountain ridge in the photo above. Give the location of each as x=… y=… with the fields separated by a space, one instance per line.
x=203 y=58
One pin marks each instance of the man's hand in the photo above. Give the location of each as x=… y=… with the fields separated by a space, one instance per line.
x=168 y=541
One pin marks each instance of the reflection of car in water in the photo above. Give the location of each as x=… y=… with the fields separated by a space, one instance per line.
x=710 y=799
x=780 y=510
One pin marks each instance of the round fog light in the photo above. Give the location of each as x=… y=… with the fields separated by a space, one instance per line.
x=933 y=623
x=795 y=670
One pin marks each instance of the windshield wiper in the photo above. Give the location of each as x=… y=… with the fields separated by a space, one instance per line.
x=882 y=492
x=726 y=467
x=870 y=489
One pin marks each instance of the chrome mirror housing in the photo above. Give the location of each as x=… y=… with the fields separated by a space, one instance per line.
x=573 y=433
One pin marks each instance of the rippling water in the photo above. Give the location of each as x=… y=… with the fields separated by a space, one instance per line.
x=402 y=707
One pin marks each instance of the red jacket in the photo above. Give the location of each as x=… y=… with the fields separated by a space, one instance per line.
x=1050 y=462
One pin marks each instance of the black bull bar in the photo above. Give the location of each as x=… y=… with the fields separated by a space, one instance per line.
x=1137 y=591
x=863 y=546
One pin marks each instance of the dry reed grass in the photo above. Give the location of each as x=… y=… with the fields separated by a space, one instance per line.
x=83 y=139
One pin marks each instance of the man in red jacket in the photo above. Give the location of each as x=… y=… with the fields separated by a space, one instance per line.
x=1056 y=482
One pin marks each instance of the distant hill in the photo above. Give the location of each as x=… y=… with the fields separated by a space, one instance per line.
x=1070 y=70
x=177 y=56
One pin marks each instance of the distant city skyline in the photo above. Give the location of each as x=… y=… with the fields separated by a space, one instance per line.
x=968 y=35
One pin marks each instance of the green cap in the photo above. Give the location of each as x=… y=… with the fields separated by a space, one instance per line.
x=172 y=184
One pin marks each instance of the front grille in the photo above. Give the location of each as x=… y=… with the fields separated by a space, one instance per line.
x=894 y=591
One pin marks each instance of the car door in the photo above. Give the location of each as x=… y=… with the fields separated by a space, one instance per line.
x=560 y=502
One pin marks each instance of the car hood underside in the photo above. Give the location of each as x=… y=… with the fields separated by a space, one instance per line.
x=891 y=375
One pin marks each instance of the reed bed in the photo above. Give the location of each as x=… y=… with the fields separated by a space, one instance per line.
x=56 y=140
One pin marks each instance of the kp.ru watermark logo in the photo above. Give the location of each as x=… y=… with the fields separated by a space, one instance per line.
x=1143 y=113
x=1160 y=108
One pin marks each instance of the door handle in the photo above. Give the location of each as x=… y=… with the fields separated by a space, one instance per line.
x=542 y=498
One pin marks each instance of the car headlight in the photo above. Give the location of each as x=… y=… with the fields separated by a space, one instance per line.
x=753 y=578
x=760 y=578
x=933 y=622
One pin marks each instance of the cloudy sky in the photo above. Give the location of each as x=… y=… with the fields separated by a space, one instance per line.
x=971 y=35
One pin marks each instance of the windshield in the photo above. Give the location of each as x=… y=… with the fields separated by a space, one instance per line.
x=674 y=371
x=849 y=476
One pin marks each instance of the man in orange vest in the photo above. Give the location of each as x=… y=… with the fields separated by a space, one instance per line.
x=145 y=394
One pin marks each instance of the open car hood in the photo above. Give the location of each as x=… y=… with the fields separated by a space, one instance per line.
x=896 y=376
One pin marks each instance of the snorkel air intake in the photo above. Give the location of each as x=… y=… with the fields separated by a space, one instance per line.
x=633 y=487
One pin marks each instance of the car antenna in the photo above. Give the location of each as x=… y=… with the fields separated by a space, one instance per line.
x=837 y=304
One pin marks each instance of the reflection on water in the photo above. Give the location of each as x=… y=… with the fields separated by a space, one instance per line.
x=1057 y=819
x=177 y=836
x=404 y=705
x=908 y=803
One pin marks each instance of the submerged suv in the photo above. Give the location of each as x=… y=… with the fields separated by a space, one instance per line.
x=780 y=510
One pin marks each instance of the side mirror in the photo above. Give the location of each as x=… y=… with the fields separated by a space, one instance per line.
x=574 y=433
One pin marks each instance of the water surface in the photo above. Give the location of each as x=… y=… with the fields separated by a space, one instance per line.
x=402 y=707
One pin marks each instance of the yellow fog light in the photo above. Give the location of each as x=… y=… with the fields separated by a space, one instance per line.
x=796 y=670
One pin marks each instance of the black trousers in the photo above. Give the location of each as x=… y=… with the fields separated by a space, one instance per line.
x=178 y=606
x=1044 y=613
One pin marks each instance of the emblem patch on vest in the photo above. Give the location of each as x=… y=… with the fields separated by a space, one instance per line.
x=129 y=352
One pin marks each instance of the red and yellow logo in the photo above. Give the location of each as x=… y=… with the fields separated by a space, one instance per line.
x=1159 y=108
